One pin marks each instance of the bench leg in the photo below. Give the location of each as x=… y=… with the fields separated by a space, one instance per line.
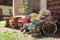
x=15 y=23
x=7 y=23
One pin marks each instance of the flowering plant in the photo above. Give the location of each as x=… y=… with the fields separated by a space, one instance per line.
x=23 y=9
x=44 y=13
x=26 y=19
x=33 y=16
x=36 y=21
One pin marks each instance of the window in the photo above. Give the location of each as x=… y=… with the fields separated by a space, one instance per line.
x=6 y=2
x=9 y=2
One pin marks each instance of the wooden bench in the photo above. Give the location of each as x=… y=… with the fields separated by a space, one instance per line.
x=7 y=19
x=15 y=21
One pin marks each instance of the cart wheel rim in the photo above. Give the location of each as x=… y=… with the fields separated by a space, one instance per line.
x=49 y=28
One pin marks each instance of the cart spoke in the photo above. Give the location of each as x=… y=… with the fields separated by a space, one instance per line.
x=49 y=28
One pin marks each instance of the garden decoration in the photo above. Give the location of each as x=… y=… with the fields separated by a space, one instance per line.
x=37 y=22
x=49 y=27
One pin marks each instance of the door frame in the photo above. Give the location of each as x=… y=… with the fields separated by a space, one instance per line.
x=1 y=12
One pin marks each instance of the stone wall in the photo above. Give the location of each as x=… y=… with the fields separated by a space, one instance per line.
x=5 y=9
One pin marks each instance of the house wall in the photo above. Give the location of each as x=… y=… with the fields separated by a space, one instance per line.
x=38 y=4
x=34 y=3
x=16 y=4
x=54 y=7
x=5 y=9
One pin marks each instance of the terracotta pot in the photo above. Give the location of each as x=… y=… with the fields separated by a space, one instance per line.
x=34 y=31
x=39 y=30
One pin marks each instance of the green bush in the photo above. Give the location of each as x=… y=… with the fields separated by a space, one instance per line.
x=9 y=35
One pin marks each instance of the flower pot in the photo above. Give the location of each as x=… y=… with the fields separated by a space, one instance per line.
x=34 y=31
x=38 y=30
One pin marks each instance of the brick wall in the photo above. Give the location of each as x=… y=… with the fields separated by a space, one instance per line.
x=35 y=3
x=16 y=6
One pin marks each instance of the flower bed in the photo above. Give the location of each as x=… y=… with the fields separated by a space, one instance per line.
x=35 y=21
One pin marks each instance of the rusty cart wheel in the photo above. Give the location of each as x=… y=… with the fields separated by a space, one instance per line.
x=49 y=28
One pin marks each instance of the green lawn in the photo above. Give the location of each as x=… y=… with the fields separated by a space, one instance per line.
x=2 y=24
x=1 y=19
x=14 y=35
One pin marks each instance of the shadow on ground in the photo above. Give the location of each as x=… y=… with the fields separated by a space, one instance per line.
x=52 y=37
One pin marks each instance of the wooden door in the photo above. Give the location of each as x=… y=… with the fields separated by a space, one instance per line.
x=54 y=7
x=0 y=13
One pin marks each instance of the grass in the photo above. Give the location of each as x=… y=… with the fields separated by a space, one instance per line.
x=2 y=23
x=15 y=35
x=1 y=19
x=8 y=35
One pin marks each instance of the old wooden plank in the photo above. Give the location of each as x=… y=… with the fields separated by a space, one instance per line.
x=54 y=7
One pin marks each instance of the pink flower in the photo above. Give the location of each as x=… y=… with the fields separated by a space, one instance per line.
x=26 y=19
x=47 y=12
x=44 y=10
